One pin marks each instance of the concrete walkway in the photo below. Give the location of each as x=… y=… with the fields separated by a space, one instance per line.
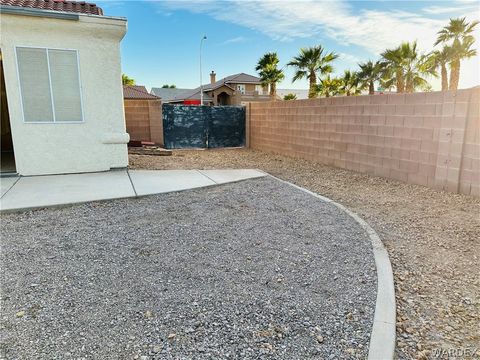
x=30 y=192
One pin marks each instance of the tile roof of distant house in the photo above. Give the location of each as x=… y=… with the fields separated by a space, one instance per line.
x=176 y=95
x=168 y=94
x=194 y=94
x=137 y=92
x=57 y=5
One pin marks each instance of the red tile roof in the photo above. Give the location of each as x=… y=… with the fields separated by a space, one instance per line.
x=137 y=92
x=57 y=5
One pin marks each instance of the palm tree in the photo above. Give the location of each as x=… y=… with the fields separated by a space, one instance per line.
x=270 y=74
x=329 y=86
x=290 y=96
x=417 y=68
x=406 y=68
x=312 y=63
x=416 y=77
x=392 y=67
x=460 y=51
x=460 y=33
x=351 y=83
x=458 y=29
x=127 y=81
x=369 y=73
x=440 y=59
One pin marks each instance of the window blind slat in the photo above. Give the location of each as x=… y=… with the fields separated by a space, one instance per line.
x=65 y=85
x=34 y=83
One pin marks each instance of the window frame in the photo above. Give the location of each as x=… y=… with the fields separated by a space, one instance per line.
x=242 y=88
x=50 y=85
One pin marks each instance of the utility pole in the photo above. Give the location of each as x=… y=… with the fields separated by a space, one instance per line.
x=201 y=82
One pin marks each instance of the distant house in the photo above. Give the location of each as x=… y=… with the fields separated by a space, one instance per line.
x=231 y=90
x=62 y=109
x=143 y=114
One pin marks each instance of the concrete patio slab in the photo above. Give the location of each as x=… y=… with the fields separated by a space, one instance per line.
x=147 y=182
x=231 y=175
x=54 y=190
x=6 y=183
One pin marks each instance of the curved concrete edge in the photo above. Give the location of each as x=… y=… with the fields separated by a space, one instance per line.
x=382 y=338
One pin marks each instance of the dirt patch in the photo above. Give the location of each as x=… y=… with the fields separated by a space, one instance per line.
x=432 y=238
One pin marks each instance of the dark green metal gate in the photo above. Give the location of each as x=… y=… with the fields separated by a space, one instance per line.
x=186 y=126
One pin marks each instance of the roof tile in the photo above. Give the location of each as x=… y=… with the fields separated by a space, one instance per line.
x=137 y=92
x=57 y=5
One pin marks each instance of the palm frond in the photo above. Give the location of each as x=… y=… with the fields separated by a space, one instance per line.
x=299 y=74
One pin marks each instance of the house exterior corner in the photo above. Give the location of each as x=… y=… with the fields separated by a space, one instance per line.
x=96 y=140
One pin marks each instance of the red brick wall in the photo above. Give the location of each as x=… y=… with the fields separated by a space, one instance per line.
x=430 y=139
x=144 y=120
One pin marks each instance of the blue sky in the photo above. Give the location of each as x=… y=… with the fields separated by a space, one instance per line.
x=162 y=42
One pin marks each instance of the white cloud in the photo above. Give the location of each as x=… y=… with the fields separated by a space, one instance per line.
x=235 y=40
x=349 y=58
x=435 y=10
x=372 y=30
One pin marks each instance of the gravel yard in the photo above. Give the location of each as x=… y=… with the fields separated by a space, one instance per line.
x=250 y=270
x=433 y=239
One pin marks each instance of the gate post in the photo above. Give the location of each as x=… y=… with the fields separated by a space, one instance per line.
x=207 y=121
x=247 y=124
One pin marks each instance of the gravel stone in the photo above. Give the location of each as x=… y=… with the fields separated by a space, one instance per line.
x=188 y=275
x=432 y=237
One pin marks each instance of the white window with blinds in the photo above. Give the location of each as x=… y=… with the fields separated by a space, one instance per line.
x=241 y=88
x=49 y=85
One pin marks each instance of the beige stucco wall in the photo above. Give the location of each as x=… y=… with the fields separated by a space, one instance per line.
x=97 y=144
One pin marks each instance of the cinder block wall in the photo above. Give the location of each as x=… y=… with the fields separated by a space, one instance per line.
x=156 y=121
x=143 y=119
x=430 y=139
